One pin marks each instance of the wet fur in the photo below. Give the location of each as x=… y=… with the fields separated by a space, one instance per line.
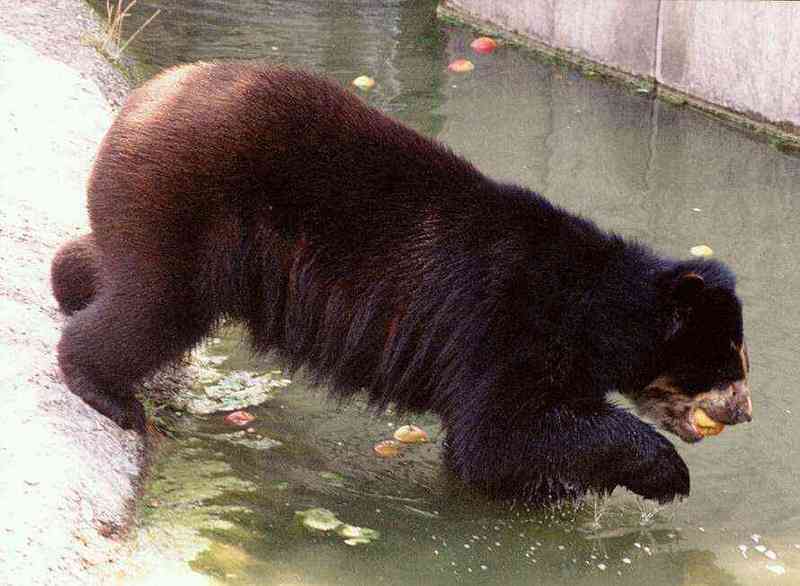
x=385 y=262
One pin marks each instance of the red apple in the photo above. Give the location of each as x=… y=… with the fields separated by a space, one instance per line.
x=484 y=45
x=240 y=418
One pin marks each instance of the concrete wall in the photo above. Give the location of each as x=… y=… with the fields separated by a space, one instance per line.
x=737 y=54
x=741 y=55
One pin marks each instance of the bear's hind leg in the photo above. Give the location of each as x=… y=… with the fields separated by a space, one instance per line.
x=126 y=334
x=74 y=274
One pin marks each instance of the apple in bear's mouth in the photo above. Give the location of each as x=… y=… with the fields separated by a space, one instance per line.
x=691 y=423
x=705 y=425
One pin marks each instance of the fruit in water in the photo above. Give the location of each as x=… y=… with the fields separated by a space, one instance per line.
x=483 y=45
x=461 y=66
x=364 y=82
x=410 y=434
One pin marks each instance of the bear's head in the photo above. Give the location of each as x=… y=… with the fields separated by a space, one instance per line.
x=703 y=364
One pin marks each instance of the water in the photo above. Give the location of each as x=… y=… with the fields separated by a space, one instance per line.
x=652 y=171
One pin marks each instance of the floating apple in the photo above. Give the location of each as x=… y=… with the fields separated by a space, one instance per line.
x=701 y=250
x=411 y=434
x=364 y=82
x=483 y=45
x=387 y=448
x=461 y=66
x=240 y=418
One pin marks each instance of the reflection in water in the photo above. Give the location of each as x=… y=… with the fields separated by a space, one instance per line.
x=667 y=176
x=399 y=43
x=432 y=530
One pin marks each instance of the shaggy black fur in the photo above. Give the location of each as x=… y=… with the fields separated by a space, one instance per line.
x=388 y=264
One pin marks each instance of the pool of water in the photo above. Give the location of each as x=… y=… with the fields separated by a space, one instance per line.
x=653 y=171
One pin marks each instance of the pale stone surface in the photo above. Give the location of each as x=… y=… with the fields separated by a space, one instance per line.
x=67 y=475
x=66 y=31
x=534 y=19
x=742 y=55
x=619 y=33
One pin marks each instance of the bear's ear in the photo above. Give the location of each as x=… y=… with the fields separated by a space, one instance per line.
x=687 y=289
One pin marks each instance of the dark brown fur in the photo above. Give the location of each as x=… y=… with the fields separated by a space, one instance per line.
x=74 y=274
x=185 y=234
x=388 y=264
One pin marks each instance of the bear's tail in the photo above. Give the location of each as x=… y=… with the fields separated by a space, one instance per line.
x=74 y=274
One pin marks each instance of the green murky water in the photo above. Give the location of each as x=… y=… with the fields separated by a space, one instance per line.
x=652 y=171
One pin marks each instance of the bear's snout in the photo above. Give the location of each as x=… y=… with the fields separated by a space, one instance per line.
x=731 y=405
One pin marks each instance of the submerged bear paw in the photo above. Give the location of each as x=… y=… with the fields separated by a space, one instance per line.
x=662 y=477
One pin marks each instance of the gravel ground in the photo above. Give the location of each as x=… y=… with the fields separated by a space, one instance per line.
x=67 y=475
x=63 y=30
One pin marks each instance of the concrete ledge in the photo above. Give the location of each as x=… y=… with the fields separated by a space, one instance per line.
x=68 y=476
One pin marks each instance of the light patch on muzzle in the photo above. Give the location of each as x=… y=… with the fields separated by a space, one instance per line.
x=694 y=417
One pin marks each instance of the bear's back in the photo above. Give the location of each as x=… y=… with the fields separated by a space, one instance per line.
x=207 y=131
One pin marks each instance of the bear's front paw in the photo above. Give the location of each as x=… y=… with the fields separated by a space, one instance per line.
x=127 y=412
x=662 y=476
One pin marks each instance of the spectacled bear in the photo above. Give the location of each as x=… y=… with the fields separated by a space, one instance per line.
x=391 y=266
